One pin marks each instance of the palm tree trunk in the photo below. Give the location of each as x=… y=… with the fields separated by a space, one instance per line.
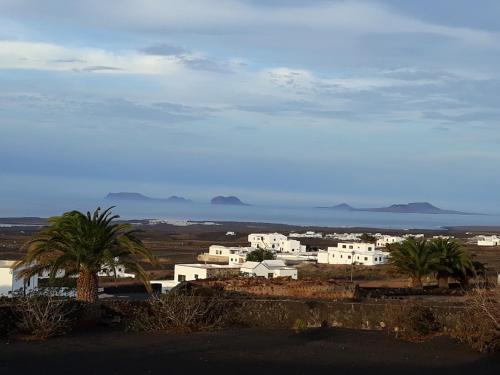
x=86 y=287
x=416 y=282
x=442 y=280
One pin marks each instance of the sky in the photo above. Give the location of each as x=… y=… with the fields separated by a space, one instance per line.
x=278 y=102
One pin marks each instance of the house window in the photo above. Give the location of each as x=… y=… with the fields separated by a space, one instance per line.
x=369 y=248
x=348 y=257
x=343 y=247
x=366 y=258
x=181 y=278
x=350 y=247
x=270 y=275
x=195 y=276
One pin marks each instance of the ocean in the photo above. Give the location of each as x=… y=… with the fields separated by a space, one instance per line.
x=305 y=216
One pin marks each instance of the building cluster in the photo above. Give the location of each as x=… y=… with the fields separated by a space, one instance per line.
x=231 y=261
x=308 y=234
x=493 y=240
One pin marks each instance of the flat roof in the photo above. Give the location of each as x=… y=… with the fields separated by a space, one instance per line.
x=208 y=265
x=7 y=263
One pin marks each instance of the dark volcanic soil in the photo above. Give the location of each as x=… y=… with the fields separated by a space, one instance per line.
x=248 y=351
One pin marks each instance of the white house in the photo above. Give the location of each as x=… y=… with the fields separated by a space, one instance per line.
x=195 y=271
x=119 y=269
x=268 y=241
x=268 y=269
x=308 y=234
x=10 y=282
x=291 y=246
x=275 y=242
x=387 y=240
x=488 y=240
x=230 y=234
x=353 y=253
x=345 y=236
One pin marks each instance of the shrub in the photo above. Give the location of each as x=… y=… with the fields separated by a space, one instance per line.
x=299 y=325
x=177 y=311
x=479 y=325
x=411 y=320
x=42 y=314
x=7 y=320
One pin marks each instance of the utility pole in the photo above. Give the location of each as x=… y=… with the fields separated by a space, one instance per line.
x=352 y=264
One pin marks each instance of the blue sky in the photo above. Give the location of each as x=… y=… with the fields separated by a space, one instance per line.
x=282 y=102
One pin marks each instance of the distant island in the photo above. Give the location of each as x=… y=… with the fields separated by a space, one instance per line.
x=407 y=208
x=229 y=201
x=124 y=196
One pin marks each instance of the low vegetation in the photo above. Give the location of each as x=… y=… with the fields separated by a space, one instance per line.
x=178 y=311
x=42 y=314
x=479 y=324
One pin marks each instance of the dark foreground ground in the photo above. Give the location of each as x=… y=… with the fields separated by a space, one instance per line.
x=248 y=351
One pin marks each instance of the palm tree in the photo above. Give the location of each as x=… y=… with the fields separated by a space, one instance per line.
x=414 y=258
x=454 y=261
x=81 y=245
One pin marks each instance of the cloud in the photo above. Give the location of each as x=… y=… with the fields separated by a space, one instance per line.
x=50 y=56
x=97 y=68
x=230 y=16
x=163 y=50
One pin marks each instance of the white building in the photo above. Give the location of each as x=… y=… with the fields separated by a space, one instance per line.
x=291 y=246
x=345 y=236
x=195 y=271
x=488 y=240
x=268 y=269
x=268 y=241
x=10 y=282
x=275 y=242
x=230 y=234
x=308 y=234
x=119 y=272
x=353 y=253
x=387 y=240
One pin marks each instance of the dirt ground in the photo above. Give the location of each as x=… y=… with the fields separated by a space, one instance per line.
x=245 y=351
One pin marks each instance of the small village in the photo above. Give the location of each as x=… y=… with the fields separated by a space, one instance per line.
x=268 y=256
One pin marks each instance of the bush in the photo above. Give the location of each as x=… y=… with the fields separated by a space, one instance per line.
x=177 y=311
x=411 y=320
x=7 y=320
x=479 y=325
x=299 y=325
x=42 y=314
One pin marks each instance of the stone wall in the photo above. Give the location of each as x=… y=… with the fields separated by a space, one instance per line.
x=355 y=315
x=284 y=287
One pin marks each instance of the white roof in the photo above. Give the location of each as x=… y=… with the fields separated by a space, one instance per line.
x=250 y=264
x=7 y=263
x=269 y=264
x=209 y=265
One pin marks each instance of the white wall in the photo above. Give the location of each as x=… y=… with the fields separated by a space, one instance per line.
x=10 y=282
x=384 y=240
x=189 y=273
x=291 y=246
x=268 y=241
x=357 y=253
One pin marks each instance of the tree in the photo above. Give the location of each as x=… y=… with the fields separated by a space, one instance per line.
x=81 y=245
x=259 y=255
x=414 y=258
x=454 y=261
x=365 y=237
